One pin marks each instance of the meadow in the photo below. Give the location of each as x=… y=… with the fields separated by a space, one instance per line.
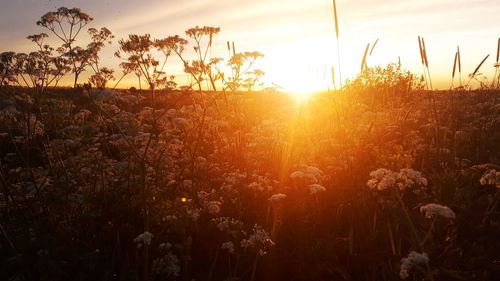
x=381 y=179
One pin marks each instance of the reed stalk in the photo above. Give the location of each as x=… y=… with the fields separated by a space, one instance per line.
x=496 y=77
x=459 y=66
x=363 y=62
x=338 y=44
x=426 y=62
x=473 y=75
x=423 y=61
x=454 y=69
x=373 y=46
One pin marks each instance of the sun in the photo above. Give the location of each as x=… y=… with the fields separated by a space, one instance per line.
x=297 y=70
x=300 y=81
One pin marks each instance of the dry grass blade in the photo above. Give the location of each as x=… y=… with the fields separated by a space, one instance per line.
x=228 y=46
x=498 y=50
x=425 y=53
x=336 y=19
x=459 y=61
x=479 y=66
x=338 y=44
x=234 y=50
x=473 y=75
x=363 y=63
x=421 y=50
x=373 y=47
x=454 y=65
x=333 y=75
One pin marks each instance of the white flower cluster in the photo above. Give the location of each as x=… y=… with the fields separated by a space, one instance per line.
x=277 y=197
x=409 y=177
x=382 y=179
x=229 y=246
x=261 y=183
x=213 y=207
x=168 y=264
x=226 y=223
x=258 y=240
x=143 y=239
x=315 y=188
x=82 y=115
x=409 y=262
x=194 y=214
x=435 y=210
x=209 y=200
x=492 y=177
x=311 y=173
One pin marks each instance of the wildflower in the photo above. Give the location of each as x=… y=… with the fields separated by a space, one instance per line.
x=313 y=172
x=165 y=246
x=382 y=179
x=258 y=240
x=225 y=223
x=229 y=246
x=492 y=177
x=168 y=264
x=261 y=183
x=432 y=210
x=180 y=122
x=409 y=177
x=213 y=207
x=297 y=175
x=413 y=259
x=315 y=188
x=143 y=239
x=82 y=115
x=310 y=172
x=194 y=214
x=277 y=197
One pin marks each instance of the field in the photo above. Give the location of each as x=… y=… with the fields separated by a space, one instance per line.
x=98 y=186
x=380 y=177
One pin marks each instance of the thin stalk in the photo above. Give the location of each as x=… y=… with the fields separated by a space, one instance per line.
x=338 y=44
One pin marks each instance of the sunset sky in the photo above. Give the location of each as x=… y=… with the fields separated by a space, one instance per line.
x=296 y=36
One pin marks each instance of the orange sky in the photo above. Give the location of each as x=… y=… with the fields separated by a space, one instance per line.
x=296 y=36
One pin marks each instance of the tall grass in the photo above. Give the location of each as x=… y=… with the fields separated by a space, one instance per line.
x=459 y=61
x=363 y=62
x=338 y=44
x=421 y=49
x=424 y=49
x=496 y=77
x=473 y=75
x=454 y=69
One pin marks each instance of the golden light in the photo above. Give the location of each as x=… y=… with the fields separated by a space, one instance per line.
x=304 y=66
x=183 y=199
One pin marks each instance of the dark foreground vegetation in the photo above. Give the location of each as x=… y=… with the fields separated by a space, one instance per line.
x=98 y=185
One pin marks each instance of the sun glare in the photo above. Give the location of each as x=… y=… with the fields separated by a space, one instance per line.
x=301 y=76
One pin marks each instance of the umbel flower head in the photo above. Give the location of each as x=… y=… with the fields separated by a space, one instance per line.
x=143 y=239
x=316 y=188
x=492 y=177
x=409 y=262
x=382 y=179
x=277 y=197
x=433 y=210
